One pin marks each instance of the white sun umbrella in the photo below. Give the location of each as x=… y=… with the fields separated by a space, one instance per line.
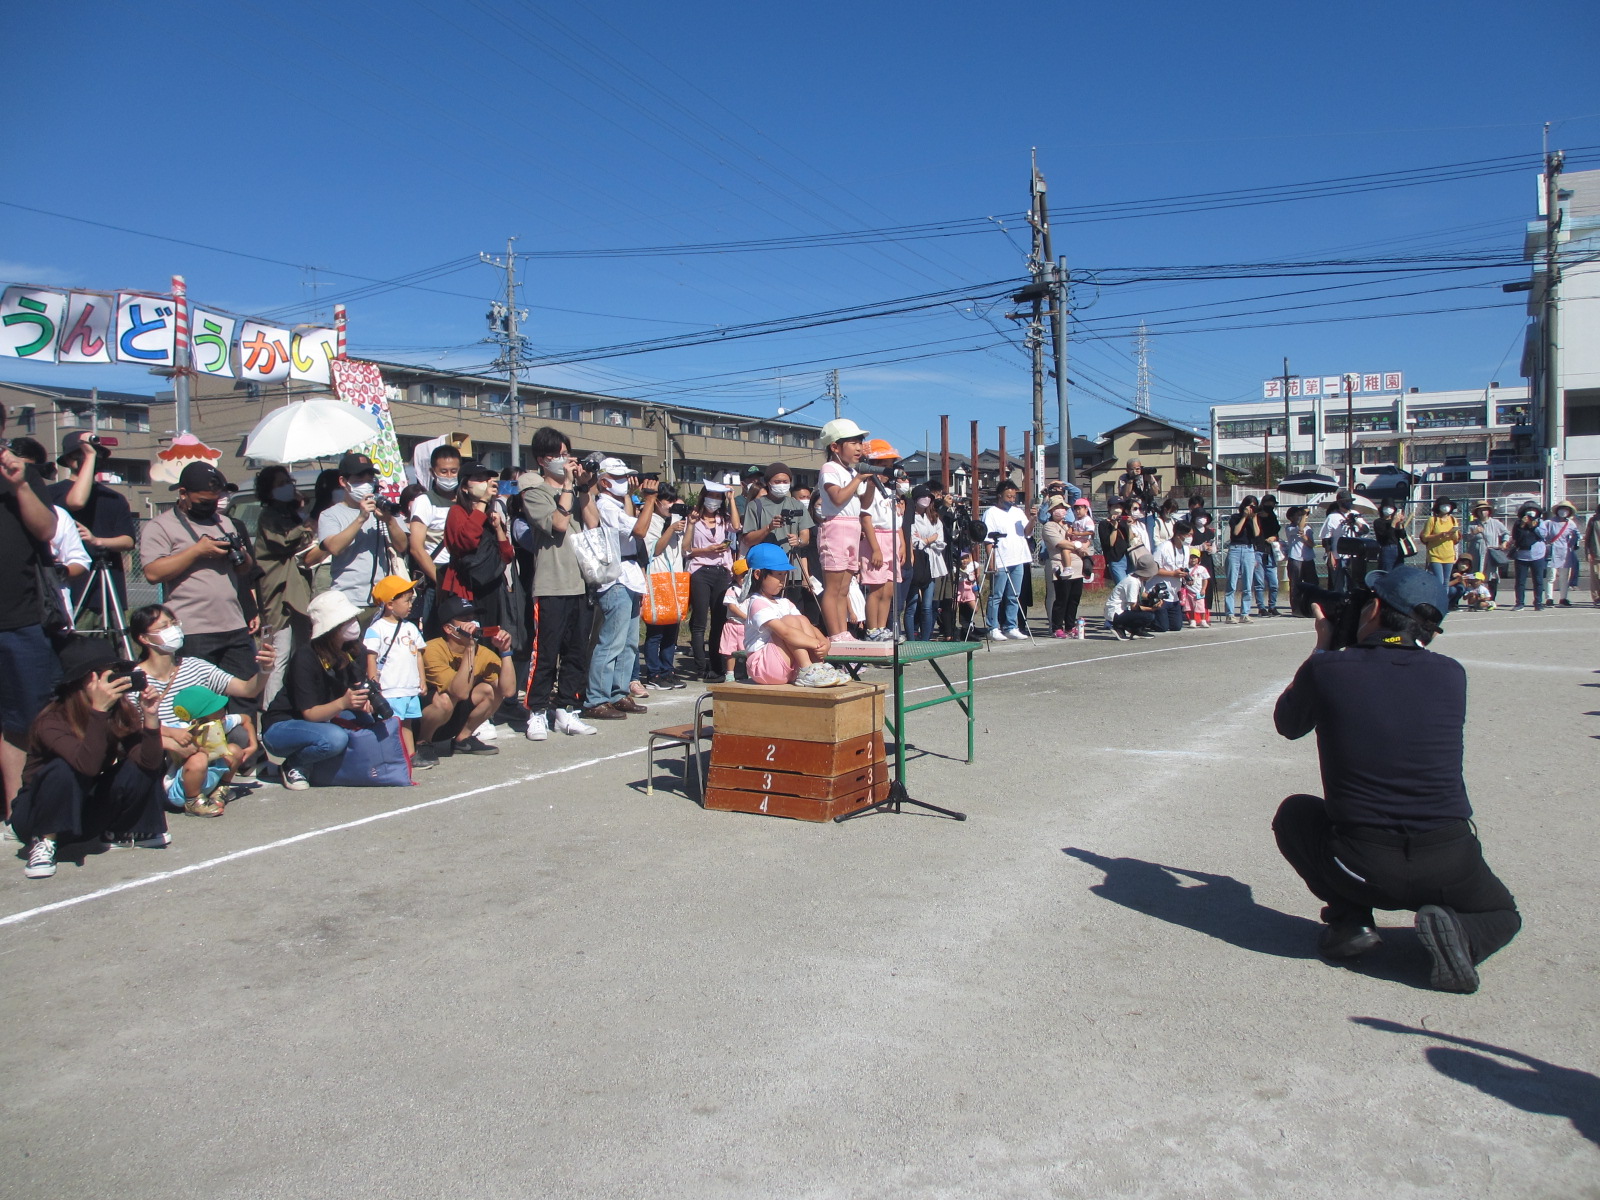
x=1363 y=505
x=321 y=427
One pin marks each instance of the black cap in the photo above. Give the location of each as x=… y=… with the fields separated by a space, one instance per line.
x=200 y=477
x=82 y=655
x=79 y=440
x=456 y=608
x=354 y=464
x=471 y=468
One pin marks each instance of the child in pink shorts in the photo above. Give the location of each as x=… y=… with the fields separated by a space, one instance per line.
x=839 y=534
x=783 y=646
x=735 y=605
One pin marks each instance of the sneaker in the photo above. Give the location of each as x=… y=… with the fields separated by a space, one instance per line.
x=485 y=732
x=41 y=859
x=840 y=675
x=817 y=675
x=294 y=779
x=1446 y=941
x=221 y=794
x=629 y=705
x=205 y=806
x=157 y=841
x=997 y=635
x=1517 y=607
x=1343 y=940
x=425 y=757
x=637 y=690
x=472 y=745
x=1229 y=620
x=538 y=727
x=1123 y=635
x=1016 y=635
x=667 y=683
x=1144 y=633
x=1058 y=633
x=570 y=723
x=1245 y=620
x=7 y=834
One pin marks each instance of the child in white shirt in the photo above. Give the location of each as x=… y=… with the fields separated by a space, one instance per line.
x=1193 y=595
x=396 y=659
x=783 y=646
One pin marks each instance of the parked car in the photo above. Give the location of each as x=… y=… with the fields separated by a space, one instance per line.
x=1387 y=481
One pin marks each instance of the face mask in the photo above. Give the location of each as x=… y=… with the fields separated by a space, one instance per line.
x=283 y=494
x=779 y=491
x=556 y=467
x=1388 y=512
x=446 y=483
x=350 y=631
x=359 y=491
x=1136 y=515
x=1446 y=510
x=617 y=487
x=202 y=510
x=478 y=489
x=171 y=637
x=1200 y=521
x=711 y=503
x=903 y=487
x=924 y=502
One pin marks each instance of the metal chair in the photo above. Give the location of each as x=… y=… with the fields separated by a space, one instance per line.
x=689 y=737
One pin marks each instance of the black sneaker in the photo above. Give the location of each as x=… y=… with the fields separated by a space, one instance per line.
x=1446 y=941
x=424 y=757
x=1123 y=635
x=1144 y=633
x=1347 y=941
x=665 y=683
x=471 y=745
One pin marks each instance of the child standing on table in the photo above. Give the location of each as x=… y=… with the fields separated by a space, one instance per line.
x=1193 y=596
x=839 y=536
x=396 y=660
x=783 y=646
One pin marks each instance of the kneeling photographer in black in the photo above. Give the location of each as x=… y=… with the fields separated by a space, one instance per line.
x=1395 y=830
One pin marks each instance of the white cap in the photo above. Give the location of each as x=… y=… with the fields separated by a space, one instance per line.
x=840 y=429
x=614 y=466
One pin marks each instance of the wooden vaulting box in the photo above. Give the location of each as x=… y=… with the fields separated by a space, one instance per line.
x=808 y=753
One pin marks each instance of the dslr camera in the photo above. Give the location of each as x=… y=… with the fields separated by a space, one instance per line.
x=236 y=551
x=591 y=462
x=1343 y=609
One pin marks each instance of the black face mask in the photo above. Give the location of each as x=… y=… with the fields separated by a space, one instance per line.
x=202 y=510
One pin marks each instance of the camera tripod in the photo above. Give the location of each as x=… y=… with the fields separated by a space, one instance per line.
x=102 y=587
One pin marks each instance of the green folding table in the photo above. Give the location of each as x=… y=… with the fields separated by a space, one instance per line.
x=906 y=654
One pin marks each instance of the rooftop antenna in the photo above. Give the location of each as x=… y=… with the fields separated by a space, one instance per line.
x=1141 y=391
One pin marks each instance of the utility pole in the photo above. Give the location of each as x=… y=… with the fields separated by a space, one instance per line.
x=834 y=393
x=1349 y=431
x=504 y=319
x=1554 y=422
x=1141 y=387
x=1287 y=418
x=1046 y=297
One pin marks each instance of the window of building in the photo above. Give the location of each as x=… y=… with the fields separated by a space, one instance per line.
x=560 y=410
x=133 y=422
x=1307 y=426
x=1446 y=418
x=766 y=435
x=799 y=440
x=495 y=402
x=1151 y=445
x=731 y=432
x=1437 y=452
x=694 y=428
x=614 y=416
x=1512 y=414
x=1366 y=422
x=1249 y=427
x=131 y=470
x=22 y=420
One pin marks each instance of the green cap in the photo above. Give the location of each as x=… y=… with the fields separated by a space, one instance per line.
x=195 y=703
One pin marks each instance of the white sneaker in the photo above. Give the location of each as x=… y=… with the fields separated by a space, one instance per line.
x=7 y=834
x=485 y=732
x=997 y=635
x=1016 y=635
x=538 y=727
x=569 y=723
x=41 y=859
x=158 y=842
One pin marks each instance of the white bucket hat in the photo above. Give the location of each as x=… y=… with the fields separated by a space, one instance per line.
x=840 y=429
x=329 y=610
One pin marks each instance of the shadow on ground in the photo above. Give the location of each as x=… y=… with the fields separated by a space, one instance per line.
x=1222 y=907
x=1535 y=1086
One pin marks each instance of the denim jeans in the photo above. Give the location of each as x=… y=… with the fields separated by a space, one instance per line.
x=1005 y=584
x=301 y=743
x=919 y=612
x=1243 y=562
x=1388 y=558
x=660 y=644
x=1116 y=571
x=1536 y=571
x=1266 y=586
x=611 y=664
x=1441 y=571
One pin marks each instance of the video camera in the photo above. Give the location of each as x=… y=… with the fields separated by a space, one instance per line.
x=591 y=462
x=1342 y=609
x=1356 y=547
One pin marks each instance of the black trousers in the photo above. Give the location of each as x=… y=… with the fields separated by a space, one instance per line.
x=126 y=801
x=1134 y=620
x=1065 y=594
x=707 y=587
x=1354 y=869
x=1302 y=573
x=234 y=651
x=560 y=668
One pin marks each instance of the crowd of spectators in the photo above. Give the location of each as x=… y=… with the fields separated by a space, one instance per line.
x=356 y=633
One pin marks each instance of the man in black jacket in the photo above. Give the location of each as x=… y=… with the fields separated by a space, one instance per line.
x=1395 y=831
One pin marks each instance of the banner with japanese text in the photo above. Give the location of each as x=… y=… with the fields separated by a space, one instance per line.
x=361 y=383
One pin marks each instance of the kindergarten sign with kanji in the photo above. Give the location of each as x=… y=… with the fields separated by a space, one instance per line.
x=1364 y=383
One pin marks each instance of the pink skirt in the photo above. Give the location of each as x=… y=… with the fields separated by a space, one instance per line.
x=770 y=663
x=732 y=637
x=873 y=576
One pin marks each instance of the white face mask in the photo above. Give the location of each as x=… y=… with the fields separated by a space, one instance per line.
x=446 y=483
x=359 y=491
x=350 y=631
x=617 y=487
x=478 y=489
x=711 y=503
x=556 y=467
x=904 y=487
x=779 y=491
x=283 y=494
x=171 y=637
x=923 y=502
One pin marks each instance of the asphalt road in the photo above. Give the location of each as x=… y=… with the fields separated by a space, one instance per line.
x=525 y=978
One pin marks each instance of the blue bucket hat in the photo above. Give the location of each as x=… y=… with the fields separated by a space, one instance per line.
x=1406 y=587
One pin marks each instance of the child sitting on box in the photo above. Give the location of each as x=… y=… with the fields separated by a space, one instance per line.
x=396 y=660
x=783 y=647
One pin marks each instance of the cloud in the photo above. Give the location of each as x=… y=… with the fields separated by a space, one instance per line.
x=15 y=272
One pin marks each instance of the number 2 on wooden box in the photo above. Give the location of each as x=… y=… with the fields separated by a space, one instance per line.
x=772 y=750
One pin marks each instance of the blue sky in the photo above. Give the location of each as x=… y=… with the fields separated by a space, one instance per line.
x=382 y=137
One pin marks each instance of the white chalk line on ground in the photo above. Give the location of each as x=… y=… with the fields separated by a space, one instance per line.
x=163 y=876
x=231 y=856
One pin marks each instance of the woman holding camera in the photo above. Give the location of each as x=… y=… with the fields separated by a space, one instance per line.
x=326 y=677
x=1530 y=538
x=478 y=538
x=94 y=761
x=708 y=554
x=159 y=637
